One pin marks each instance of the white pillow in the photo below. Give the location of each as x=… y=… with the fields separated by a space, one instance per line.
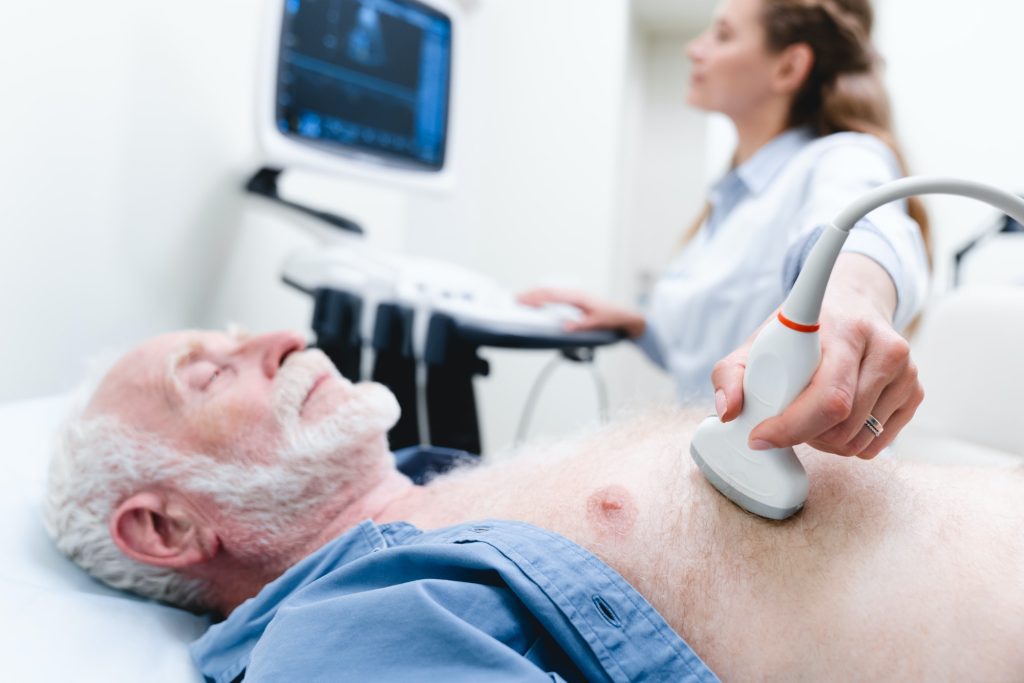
x=57 y=623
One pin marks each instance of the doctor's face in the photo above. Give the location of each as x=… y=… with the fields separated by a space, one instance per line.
x=731 y=66
x=243 y=399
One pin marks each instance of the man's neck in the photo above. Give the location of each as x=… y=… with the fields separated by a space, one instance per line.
x=383 y=502
x=380 y=503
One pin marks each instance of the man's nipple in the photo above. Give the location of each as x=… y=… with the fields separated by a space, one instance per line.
x=611 y=510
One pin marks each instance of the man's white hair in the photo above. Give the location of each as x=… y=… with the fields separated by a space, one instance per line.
x=97 y=463
x=100 y=461
x=94 y=464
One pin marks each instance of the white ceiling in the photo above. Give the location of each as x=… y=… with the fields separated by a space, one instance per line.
x=672 y=18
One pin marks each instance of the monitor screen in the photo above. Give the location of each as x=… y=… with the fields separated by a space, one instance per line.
x=369 y=78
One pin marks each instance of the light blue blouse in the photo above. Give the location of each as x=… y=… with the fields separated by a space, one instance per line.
x=765 y=216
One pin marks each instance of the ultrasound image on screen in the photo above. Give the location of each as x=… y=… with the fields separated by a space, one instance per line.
x=367 y=76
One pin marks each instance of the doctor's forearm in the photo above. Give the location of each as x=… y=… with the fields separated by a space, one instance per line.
x=859 y=281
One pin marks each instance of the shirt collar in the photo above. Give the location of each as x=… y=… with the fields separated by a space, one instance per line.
x=223 y=652
x=759 y=170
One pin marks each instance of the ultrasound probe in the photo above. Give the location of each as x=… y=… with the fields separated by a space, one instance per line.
x=785 y=355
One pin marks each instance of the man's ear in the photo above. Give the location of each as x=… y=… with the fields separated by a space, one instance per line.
x=162 y=530
x=793 y=67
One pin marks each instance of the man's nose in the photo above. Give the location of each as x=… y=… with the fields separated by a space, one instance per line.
x=272 y=348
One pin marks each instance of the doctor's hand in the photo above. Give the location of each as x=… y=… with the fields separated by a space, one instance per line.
x=865 y=370
x=597 y=314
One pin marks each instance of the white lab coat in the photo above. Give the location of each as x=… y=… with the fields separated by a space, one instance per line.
x=766 y=215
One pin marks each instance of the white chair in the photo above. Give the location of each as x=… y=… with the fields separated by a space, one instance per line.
x=970 y=351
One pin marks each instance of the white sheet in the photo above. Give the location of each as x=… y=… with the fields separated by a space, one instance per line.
x=57 y=624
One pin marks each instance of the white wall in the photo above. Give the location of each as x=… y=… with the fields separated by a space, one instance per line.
x=663 y=191
x=123 y=133
x=954 y=73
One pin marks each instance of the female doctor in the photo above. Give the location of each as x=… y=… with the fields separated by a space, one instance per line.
x=800 y=81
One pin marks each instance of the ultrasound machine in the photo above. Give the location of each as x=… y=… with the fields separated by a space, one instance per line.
x=363 y=88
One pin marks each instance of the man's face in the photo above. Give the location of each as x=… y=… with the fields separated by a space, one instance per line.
x=247 y=400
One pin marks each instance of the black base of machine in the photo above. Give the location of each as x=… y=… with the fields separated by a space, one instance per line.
x=451 y=364
x=451 y=359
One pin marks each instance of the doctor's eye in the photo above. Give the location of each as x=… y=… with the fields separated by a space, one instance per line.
x=722 y=32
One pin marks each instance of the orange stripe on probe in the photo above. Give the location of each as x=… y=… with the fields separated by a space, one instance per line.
x=797 y=326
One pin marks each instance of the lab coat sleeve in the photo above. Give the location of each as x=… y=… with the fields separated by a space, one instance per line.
x=850 y=166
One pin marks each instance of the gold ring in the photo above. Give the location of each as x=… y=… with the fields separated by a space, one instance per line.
x=873 y=425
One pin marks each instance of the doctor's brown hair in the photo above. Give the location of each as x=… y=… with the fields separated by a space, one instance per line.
x=844 y=91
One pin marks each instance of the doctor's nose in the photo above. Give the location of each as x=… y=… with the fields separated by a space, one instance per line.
x=272 y=348
x=695 y=49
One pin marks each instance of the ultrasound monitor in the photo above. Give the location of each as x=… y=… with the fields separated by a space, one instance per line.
x=360 y=87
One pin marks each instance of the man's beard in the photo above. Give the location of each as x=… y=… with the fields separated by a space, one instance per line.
x=317 y=470
x=367 y=411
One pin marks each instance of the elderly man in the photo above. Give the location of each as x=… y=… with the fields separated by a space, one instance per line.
x=245 y=476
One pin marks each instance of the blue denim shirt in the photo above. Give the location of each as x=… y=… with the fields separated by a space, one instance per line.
x=493 y=600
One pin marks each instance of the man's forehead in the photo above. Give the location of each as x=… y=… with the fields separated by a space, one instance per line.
x=156 y=352
x=168 y=346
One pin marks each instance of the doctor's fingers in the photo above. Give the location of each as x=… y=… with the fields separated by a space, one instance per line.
x=826 y=402
x=893 y=426
x=727 y=379
x=895 y=407
x=610 y=317
x=887 y=377
x=557 y=295
x=592 y=320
